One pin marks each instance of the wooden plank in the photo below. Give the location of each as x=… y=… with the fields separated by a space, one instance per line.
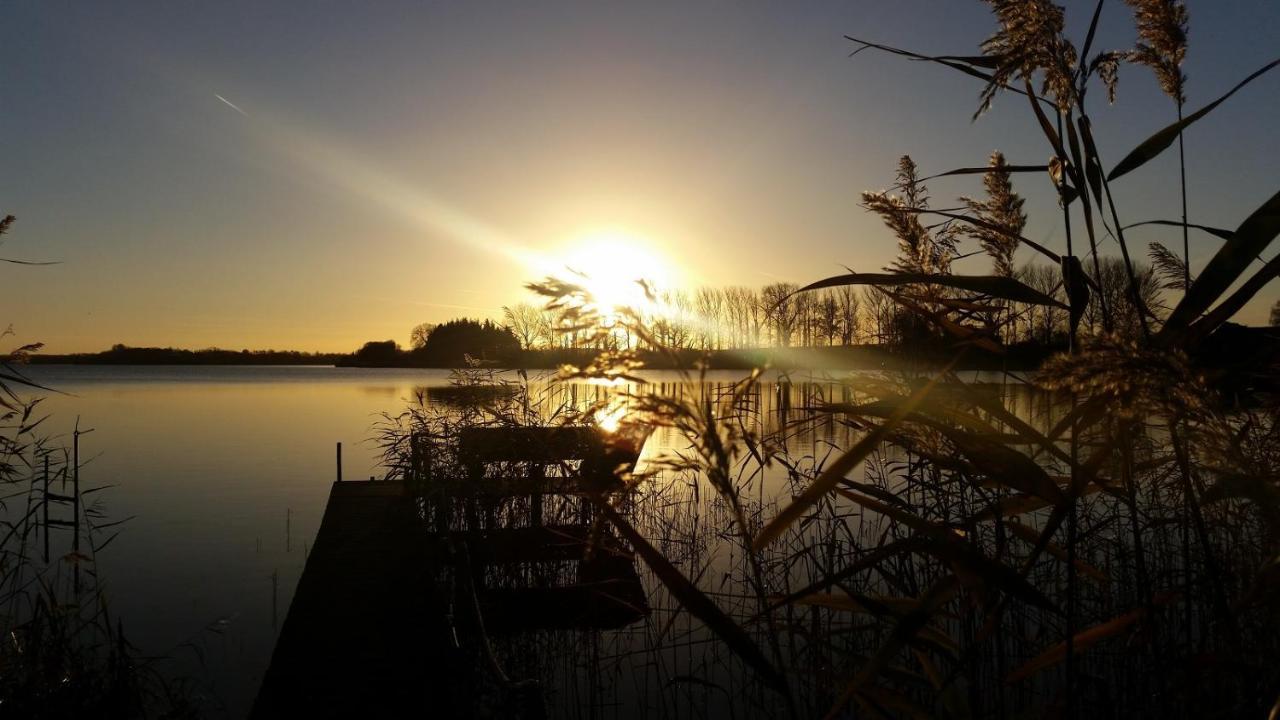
x=608 y=594
x=535 y=544
x=364 y=636
x=532 y=444
x=524 y=454
x=603 y=605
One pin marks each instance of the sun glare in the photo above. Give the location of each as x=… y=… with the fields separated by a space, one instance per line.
x=610 y=419
x=611 y=266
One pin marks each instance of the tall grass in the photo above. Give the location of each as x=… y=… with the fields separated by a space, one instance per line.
x=951 y=558
x=64 y=654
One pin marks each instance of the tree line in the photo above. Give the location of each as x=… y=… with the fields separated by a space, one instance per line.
x=120 y=354
x=852 y=312
x=778 y=316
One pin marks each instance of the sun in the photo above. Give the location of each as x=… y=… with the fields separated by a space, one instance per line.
x=611 y=266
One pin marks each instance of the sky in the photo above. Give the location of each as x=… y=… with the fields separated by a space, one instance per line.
x=312 y=175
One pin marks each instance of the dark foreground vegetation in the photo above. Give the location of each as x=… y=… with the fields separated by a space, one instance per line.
x=64 y=654
x=1106 y=546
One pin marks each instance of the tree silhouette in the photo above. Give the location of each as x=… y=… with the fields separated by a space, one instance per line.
x=456 y=342
x=418 y=335
x=526 y=322
x=376 y=352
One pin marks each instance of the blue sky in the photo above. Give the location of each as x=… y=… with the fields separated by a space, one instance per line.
x=399 y=162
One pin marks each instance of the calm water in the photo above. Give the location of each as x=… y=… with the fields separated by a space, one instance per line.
x=224 y=473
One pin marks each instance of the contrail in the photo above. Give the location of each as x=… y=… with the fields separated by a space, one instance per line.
x=231 y=105
x=417 y=205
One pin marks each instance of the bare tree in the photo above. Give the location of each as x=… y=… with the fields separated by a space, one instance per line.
x=780 y=311
x=805 y=304
x=1117 y=297
x=737 y=315
x=418 y=335
x=1043 y=322
x=828 y=318
x=754 y=308
x=526 y=322
x=850 y=306
x=672 y=327
x=709 y=307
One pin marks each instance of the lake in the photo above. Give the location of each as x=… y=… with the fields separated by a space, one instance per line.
x=223 y=474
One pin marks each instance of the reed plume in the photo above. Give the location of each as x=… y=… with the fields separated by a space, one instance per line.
x=919 y=250
x=1134 y=381
x=1171 y=269
x=1030 y=40
x=1003 y=210
x=1162 y=43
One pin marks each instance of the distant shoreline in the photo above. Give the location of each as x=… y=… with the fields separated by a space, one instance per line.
x=852 y=357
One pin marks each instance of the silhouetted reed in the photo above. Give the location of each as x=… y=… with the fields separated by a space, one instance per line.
x=64 y=653
x=950 y=557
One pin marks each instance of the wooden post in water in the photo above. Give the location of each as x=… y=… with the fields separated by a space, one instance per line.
x=46 y=509
x=275 y=591
x=339 y=462
x=75 y=507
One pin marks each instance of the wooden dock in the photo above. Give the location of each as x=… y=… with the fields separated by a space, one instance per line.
x=365 y=636
x=370 y=633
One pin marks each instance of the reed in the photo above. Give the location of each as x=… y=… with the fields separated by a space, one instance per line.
x=1115 y=555
x=64 y=653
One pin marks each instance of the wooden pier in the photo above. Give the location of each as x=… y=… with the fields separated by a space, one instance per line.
x=364 y=636
x=372 y=631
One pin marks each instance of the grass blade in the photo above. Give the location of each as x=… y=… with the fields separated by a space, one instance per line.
x=1083 y=640
x=697 y=603
x=946 y=545
x=1233 y=304
x=1156 y=144
x=1218 y=232
x=1005 y=288
x=986 y=169
x=1232 y=259
x=1006 y=466
x=906 y=629
x=1093 y=31
x=835 y=472
x=1032 y=537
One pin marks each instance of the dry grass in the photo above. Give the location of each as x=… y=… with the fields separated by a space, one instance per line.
x=1111 y=553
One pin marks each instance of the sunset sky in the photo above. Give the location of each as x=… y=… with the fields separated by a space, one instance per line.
x=314 y=175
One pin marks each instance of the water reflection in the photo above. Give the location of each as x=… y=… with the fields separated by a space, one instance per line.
x=664 y=662
x=225 y=471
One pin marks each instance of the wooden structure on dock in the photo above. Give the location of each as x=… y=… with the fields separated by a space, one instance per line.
x=400 y=570
x=529 y=573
